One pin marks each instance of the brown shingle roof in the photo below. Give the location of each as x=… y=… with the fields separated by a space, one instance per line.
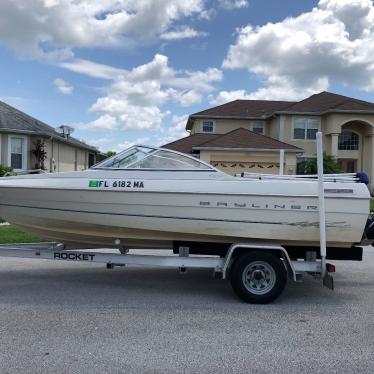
x=185 y=145
x=13 y=120
x=245 y=109
x=236 y=139
x=328 y=102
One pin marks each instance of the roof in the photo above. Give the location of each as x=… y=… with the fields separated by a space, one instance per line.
x=238 y=139
x=13 y=120
x=325 y=102
x=318 y=104
x=185 y=145
x=244 y=109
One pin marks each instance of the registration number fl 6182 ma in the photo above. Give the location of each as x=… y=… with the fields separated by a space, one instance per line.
x=115 y=184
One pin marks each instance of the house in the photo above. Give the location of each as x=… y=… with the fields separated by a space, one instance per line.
x=239 y=150
x=19 y=138
x=246 y=135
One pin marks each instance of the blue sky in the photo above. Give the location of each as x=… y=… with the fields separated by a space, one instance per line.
x=121 y=72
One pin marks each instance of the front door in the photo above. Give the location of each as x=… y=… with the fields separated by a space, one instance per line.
x=348 y=165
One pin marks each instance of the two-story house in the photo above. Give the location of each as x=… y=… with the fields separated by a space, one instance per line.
x=247 y=135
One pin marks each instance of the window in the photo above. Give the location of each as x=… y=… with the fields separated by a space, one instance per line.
x=257 y=127
x=167 y=160
x=305 y=128
x=348 y=141
x=17 y=156
x=208 y=126
x=139 y=157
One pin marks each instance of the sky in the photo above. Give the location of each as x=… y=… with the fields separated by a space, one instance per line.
x=124 y=72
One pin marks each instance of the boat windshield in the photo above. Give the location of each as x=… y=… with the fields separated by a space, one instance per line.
x=140 y=157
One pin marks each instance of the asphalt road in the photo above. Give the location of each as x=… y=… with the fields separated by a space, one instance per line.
x=59 y=317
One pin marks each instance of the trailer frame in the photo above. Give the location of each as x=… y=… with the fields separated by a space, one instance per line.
x=183 y=260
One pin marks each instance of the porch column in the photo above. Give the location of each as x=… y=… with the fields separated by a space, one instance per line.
x=334 y=145
x=371 y=168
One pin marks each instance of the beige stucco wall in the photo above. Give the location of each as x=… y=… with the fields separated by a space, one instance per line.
x=223 y=126
x=66 y=157
x=273 y=128
x=63 y=157
x=286 y=136
x=334 y=121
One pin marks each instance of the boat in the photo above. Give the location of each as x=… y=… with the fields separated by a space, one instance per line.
x=152 y=198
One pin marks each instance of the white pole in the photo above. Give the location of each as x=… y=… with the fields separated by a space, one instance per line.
x=281 y=162
x=321 y=203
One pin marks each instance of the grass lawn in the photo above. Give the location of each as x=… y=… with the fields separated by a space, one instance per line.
x=10 y=234
x=372 y=205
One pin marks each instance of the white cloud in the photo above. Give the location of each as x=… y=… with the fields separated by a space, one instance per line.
x=134 y=99
x=92 y=69
x=274 y=89
x=34 y=26
x=226 y=96
x=99 y=142
x=104 y=122
x=233 y=4
x=301 y=55
x=176 y=131
x=129 y=143
x=179 y=128
x=63 y=86
x=120 y=114
x=186 y=98
x=183 y=32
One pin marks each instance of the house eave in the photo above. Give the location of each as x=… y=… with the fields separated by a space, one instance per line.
x=330 y=111
x=226 y=149
x=231 y=117
x=47 y=135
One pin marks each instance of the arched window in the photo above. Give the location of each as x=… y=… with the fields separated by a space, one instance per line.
x=348 y=141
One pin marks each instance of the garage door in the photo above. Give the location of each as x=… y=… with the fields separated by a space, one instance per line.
x=233 y=167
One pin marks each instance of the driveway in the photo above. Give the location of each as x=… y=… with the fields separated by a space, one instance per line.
x=60 y=317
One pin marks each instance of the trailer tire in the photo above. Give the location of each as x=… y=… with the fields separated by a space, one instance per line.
x=258 y=277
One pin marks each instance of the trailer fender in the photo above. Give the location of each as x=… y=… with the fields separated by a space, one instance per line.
x=258 y=247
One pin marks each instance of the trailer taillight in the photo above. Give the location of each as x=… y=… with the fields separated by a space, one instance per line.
x=330 y=268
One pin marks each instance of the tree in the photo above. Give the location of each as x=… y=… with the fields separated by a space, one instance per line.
x=110 y=154
x=330 y=166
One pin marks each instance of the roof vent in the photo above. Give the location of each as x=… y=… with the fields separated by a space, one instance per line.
x=64 y=131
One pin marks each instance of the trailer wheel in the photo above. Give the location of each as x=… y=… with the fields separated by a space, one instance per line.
x=258 y=277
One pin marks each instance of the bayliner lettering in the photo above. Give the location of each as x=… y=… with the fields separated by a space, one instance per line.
x=265 y=205
x=74 y=256
x=115 y=184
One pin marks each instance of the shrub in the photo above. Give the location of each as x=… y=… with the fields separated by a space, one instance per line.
x=5 y=171
x=40 y=154
x=330 y=166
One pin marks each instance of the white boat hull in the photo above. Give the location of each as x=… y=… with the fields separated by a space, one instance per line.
x=155 y=216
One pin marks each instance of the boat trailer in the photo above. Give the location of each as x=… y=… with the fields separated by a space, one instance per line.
x=258 y=271
x=252 y=285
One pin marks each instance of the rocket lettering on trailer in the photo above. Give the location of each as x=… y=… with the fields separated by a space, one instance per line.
x=73 y=256
x=115 y=184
